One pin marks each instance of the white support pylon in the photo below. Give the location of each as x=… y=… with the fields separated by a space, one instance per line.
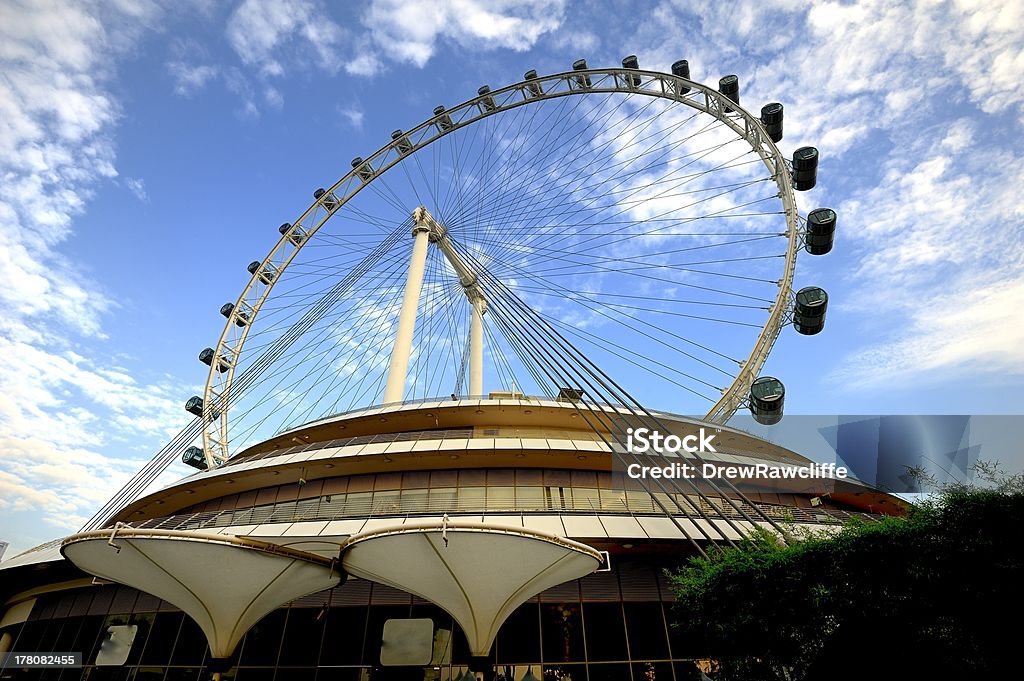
x=476 y=347
x=427 y=230
x=402 y=348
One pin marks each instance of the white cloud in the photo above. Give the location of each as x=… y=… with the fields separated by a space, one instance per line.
x=353 y=116
x=63 y=406
x=189 y=78
x=931 y=213
x=260 y=31
x=137 y=186
x=408 y=31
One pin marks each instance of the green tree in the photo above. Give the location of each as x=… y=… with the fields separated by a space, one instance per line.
x=936 y=594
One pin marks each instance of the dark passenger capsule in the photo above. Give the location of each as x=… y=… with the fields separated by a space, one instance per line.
x=767 y=397
x=805 y=168
x=682 y=69
x=771 y=118
x=730 y=87
x=809 y=310
x=193 y=456
x=821 y=231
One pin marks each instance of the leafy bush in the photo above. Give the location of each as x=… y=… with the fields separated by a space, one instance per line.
x=936 y=594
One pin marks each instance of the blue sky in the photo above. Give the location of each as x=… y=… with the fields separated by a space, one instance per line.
x=149 y=150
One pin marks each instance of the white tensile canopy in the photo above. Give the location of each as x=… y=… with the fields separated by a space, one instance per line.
x=226 y=584
x=478 y=573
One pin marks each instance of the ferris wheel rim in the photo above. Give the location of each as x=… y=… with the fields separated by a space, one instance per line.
x=747 y=127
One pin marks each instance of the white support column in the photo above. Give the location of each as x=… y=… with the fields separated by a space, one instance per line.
x=476 y=347
x=407 y=318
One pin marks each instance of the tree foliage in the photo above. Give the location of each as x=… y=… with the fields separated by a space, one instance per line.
x=936 y=594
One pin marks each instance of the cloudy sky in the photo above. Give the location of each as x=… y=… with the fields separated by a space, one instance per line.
x=148 y=150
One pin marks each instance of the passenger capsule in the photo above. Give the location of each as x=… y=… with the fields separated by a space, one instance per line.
x=295 y=234
x=631 y=62
x=809 y=310
x=682 y=69
x=821 y=231
x=730 y=87
x=266 y=275
x=583 y=80
x=533 y=88
x=328 y=199
x=194 y=405
x=193 y=456
x=241 y=319
x=771 y=118
x=206 y=357
x=487 y=102
x=805 y=168
x=767 y=397
x=363 y=169
x=402 y=143
x=444 y=121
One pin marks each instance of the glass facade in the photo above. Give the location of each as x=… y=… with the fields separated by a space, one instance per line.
x=475 y=490
x=613 y=625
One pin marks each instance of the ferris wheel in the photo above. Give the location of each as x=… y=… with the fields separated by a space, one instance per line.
x=648 y=219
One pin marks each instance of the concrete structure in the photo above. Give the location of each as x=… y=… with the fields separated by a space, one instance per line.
x=497 y=520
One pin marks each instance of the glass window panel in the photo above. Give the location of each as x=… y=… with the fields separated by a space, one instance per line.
x=652 y=671
x=332 y=505
x=361 y=483
x=184 y=674
x=472 y=498
x=388 y=481
x=501 y=498
x=160 y=641
x=343 y=636
x=561 y=633
x=640 y=502
x=28 y=639
x=444 y=478
x=358 y=503
x=529 y=477
x=302 y=636
x=307 y=509
x=501 y=478
x=190 y=649
x=415 y=480
x=312 y=489
x=530 y=498
x=263 y=642
x=284 y=511
x=567 y=671
x=144 y=622
x=68 y=633
x=414 y=500
x=385 y=503
x=585 y=499
x=87 y=634
x=564 y=494
x=613 y=500
x=616 y=671
x=442 y=499
x=519 y=637
x=646 y=628
x=606 y=631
